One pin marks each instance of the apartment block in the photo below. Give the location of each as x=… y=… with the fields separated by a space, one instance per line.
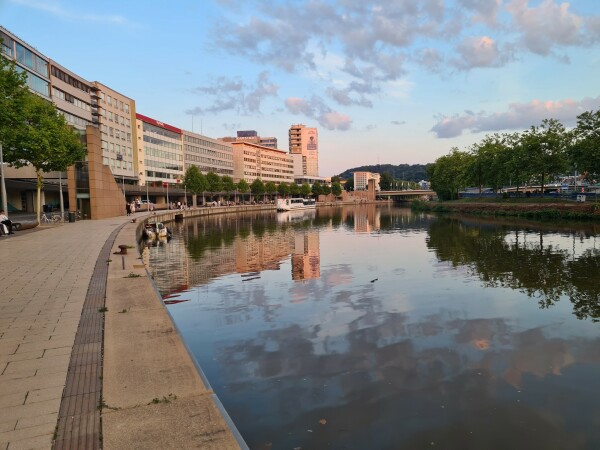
x=252 y=161
x=361 y=180
x=116 y=113
x=304 y=141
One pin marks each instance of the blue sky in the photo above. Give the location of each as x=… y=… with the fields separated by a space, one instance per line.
x=398 y=81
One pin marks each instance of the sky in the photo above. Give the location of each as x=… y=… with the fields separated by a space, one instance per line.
x=385 y=82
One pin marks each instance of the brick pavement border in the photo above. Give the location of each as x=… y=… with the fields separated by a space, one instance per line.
x=79 y=419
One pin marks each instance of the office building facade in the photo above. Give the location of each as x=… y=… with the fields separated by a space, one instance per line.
x=304 y=142
x=160 y=152
x=208 y=154
x=251 y=161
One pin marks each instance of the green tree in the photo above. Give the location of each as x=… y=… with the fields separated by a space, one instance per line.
x=546 y=150
x=336 y=189
x=270 y=188
x=349 y=186
x=488 y=164
x=228 y=185
x=283 y=189
x=294 y=189
x=325 y=189
x=584 y=154
x=385 y=182
x=13 y=98
x=316 y=189
x=335 y=179
x=46 y=142
x=448 y=174
x=257 y=188
x=305 y=190
x=214 y=183
x=194 y=182
x=243 y=186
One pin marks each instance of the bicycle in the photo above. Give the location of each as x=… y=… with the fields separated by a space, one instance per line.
x=45 y=219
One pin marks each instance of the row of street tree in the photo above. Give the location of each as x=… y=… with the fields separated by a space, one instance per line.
x=212 y=185
x=32 y=131
x=533 y=157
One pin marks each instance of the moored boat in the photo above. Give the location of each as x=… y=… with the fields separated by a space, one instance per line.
x=291 y=204
x=156 y=230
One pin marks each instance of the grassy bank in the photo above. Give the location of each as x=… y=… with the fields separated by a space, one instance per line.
x=543 y=209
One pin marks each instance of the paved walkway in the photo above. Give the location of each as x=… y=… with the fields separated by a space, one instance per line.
x=44 y=279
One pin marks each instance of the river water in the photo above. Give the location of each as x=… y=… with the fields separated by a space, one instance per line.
x=377 y=328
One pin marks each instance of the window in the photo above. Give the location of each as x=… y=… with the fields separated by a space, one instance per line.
x=117 y=134
x=114 y=102
x=121 y=105
x=104 y=145
x=111 y=132
x=108 y=99
x=126 y=108
x=128 y=137
x=105 y=160
x=111 y=147
x=122 y=120
x=102 y=97
x=128 y=123
x=110 y=116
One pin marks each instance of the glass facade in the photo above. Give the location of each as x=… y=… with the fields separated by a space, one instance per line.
x=31 y=60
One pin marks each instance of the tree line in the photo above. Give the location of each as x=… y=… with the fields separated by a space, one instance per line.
x=212 y=184
x=533 y=157
x=32 y=131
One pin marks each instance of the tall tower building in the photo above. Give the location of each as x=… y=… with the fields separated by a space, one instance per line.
x=304 y=146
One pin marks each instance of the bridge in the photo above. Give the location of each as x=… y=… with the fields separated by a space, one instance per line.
x=405 y=196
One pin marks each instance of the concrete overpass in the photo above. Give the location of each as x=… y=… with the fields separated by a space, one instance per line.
x=405 y=196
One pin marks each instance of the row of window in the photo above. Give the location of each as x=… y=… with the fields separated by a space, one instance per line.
x=163 y=165
x=74 y=120
x=117 y=119
x=149 y=128
x=71 y=99
x=205 y=151
x=36 y=83
x=117 y=104
x=205 y=143
x=158 y=153
x=169 y=176
x=70 y=80
x=112 y=147
x=214 y=162
x=31 y=60
x=117 y=163
x=161 y=143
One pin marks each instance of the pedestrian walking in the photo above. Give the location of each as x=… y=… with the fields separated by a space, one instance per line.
x=128 y=208
x=132 y=207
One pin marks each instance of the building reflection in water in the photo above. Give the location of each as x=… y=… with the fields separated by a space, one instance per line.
x=465 y=333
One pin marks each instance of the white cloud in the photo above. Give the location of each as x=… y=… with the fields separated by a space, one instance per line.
x=519 y=116
x=315 y=108
x=546 y=25
x=481 y=51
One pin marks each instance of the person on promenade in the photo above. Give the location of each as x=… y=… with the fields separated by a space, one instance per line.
x=128 y=208
x=5 y=221
x=132 y=207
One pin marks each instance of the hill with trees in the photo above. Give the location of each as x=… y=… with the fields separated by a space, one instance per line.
x=406 y=172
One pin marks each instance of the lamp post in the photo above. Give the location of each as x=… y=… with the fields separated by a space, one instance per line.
x=4 y=200
x=62 y=205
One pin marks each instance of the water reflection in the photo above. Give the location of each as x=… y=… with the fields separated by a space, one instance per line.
x=567 y=264
x=366 y=327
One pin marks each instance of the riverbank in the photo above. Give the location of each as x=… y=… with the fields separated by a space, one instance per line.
x=549 y=209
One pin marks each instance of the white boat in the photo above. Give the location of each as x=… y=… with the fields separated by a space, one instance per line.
x=291 y=204
x=156 y=230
